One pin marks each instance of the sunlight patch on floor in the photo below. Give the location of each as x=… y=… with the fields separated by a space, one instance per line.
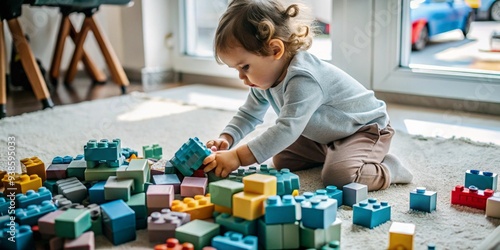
x=153 y=109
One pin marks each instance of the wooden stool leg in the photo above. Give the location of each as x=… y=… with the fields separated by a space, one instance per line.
x=55 y=66
x=3 y=83
x=29 y=63
x=115 y=67
x=77 y=55
x=95 y=73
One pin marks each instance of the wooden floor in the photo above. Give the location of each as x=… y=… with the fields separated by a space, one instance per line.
x=21 y=101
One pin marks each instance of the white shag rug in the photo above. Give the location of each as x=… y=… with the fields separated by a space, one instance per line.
x=138 y=120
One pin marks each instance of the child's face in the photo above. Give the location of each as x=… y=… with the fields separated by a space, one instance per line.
x=256 y=71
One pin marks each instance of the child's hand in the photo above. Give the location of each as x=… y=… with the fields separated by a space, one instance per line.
x=223 y=162
x=220 y=144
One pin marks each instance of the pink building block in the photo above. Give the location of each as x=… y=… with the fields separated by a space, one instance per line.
x=86 y=241
x=46 y=224
x=192 y=186
x=159 y=197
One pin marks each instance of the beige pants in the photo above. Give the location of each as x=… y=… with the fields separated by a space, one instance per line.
x=355 y=158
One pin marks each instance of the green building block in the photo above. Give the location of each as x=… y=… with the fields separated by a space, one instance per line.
x=100 y=173
x=239 y=225
x=153 y=152
x=197 y=232
x=317 y=238
x=51 y=186
x=137 y=169
x=270 y=236
x=115 y=189
x=77 y=169
x=221 y=192
x=72 y=223
x=291 y=236
x=138 y=203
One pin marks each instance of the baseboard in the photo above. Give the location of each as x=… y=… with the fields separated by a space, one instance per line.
x=441 y=103
x=212 y=80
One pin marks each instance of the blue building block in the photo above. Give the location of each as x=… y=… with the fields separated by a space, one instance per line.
x=190 y=156
x=279 y=211
x=4 y=206
x=481 y=179
x=319 y=212
x=239 y=225
x=15 y=237
x=423 y=200
x=280 y=182
x=235 y=241
x=96 y=193
x=334 y=193
x=33 y=198
x=354 y=193
x=31 y=214
x=369 y=213
x=104 y=151
x=127 y=152
x=118 y=222
x=153 y=152
x=291 y=181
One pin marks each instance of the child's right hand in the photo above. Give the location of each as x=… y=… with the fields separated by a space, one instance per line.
x=220 y=144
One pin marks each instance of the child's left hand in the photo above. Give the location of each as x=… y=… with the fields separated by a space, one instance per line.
x=223 y=162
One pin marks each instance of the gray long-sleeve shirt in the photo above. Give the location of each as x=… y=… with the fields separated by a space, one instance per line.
x=316 y=100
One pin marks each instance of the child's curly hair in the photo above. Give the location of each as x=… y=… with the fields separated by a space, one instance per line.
x=253 y=23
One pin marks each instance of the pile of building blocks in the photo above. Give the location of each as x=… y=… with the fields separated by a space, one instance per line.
x=110 y=191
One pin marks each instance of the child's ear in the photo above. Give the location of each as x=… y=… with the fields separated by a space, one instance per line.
x=278 y=48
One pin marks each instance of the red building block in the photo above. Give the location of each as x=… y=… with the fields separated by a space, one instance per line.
x=470 y=197
x=173 y=244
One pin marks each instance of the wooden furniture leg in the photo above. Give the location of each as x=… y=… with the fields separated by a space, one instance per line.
x=77 y=55
x=3 y=83
x=29 y=63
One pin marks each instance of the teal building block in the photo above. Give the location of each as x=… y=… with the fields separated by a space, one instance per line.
x=15 y=237
x=370 y=213
x=95 y=218
x=153 y=152
x=31 y=214
x=319 y=212
x=280 y=182
x=118 y=188
x=101 y=172
x=291 y=181
x=228 y=222
x=332 y=245
x=221 y=192
x=4 y=206
x=138 y=203
x=235 y=241
x=96 y=193
x=51 y=186
x=72 y=223
x=291 y=235
x=270 y=236
x=334 y=193
x=481 y=179
x=128 y=152
x=197 y=232
x=138 y=170
x=278 y=211
x=190 y=156
x=103 y=151
x=77 y=169
x=423 y=200
x=33 y=198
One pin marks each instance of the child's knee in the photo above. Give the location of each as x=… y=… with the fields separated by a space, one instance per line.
x=338 y=177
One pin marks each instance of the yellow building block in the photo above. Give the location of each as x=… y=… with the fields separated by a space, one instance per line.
x=222 y=209
x=260 y=184
x=21 y=183
x=2 y=174
x=248 y=206
x=401 y=236
x=34 y=165
x=199 y=208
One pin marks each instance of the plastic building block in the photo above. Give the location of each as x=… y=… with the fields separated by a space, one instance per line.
x=168 y=179
x=248 y=206
x=138 y=203
x=85 y=241
x=101 y=172
x=51 y=186
x=72 y=189
x=291 y=235
x=96 y=193
x=72 y=223
x=231 y=223
x=60 y=201
x=95 y=218
x=197 y=232
x=423 y=200
x=173 y=244
x=104 y=151
x=161 y=226
x=334 y=193
x=470 y=197
x=118 y=188
x=2 y=174
x=77 y=169
x=5 y=204
x=493 y=207
x=57 y=169
x=192 y=186
x=154 y=152
x=118 y=222
x=319 y=212
x=46 y=223
x=137 y=169
x=354 y=193
x=15 y=237
x=370 y=213
x=332 y=245
x=401 y=236
x=316 y=238
x=21 y=183
x=221 y=192
x=159 y=196
x=222 y=209
x=190 y=156
x=31 y=214
x=199 y=208
x=279 y=211
x=128 y=152
x=235 y=241
x=481 y=179
x=270 y=236
x=34 y=165
x=33 y=198
x=291 y=181
x=260 y=184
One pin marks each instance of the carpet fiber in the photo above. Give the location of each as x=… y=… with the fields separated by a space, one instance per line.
x=437 y=164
